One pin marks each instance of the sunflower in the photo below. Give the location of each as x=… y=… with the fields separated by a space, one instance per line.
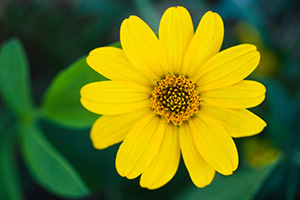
x=173 y=95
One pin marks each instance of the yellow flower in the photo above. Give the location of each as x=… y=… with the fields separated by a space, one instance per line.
x=173 y=93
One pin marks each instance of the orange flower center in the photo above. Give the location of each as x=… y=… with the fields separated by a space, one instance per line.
x=175 y=99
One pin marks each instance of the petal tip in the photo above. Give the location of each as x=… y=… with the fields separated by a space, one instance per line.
x=251 y=47
x=123 y=25
x=118 y=167
x=264 y=124
x=81 y=91
x=212 y=14
x=145 y=184
x=209 y=12
x=257 y=54
x=132 y=18
x=181 y=8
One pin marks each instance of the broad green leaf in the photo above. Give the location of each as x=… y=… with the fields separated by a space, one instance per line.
x=48 y=167
x=14 y=77
x=62 y=99
x=243 y=184
x=9 y=183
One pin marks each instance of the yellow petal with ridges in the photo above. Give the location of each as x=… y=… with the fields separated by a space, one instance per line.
x=200 y=171
x=175 y=33
x=112 y=129
x=140 y=146
x=245 y=94
x=227 y=68
x=165 y=164
x=214 y=143
x=112 y=63
x=206 y=42
x=142 y=48
x=114 y=97
x=238 y=122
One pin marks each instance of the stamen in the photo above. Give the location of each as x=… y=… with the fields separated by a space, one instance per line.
x=175 y=99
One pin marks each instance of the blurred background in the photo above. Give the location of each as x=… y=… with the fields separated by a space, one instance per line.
x=56 y=33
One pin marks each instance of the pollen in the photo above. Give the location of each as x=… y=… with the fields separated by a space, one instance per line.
x=175 y=99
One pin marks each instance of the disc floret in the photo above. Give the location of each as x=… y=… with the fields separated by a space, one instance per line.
x=175 y=99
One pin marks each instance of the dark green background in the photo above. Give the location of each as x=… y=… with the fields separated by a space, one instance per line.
x=57 y=33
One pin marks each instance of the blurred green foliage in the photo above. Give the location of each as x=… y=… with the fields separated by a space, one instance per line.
x=47 y=166
x=45 y=150
x=14 y=66
x=9 y=182
x=62 y=100
x=244 y=185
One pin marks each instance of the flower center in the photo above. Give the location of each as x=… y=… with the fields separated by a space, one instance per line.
x=175 y=99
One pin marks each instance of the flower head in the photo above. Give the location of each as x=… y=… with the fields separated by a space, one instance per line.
x=173 y=95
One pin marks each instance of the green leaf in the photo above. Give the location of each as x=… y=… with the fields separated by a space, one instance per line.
x=14 y=77
x=9 y=182
x=62 y=99
x=243 y=184
x=48 y=167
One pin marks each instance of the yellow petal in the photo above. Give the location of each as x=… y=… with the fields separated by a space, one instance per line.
x=140 y=146
x=238 y=122
x=114 y=97
x=175 y=33
x=165 y=164
x=206 y=42
x=109 y=130
x=214 y=143
x=142 y=48
x=227 y=67
x=244 y=94
x=200 y=171
x=113 y=64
